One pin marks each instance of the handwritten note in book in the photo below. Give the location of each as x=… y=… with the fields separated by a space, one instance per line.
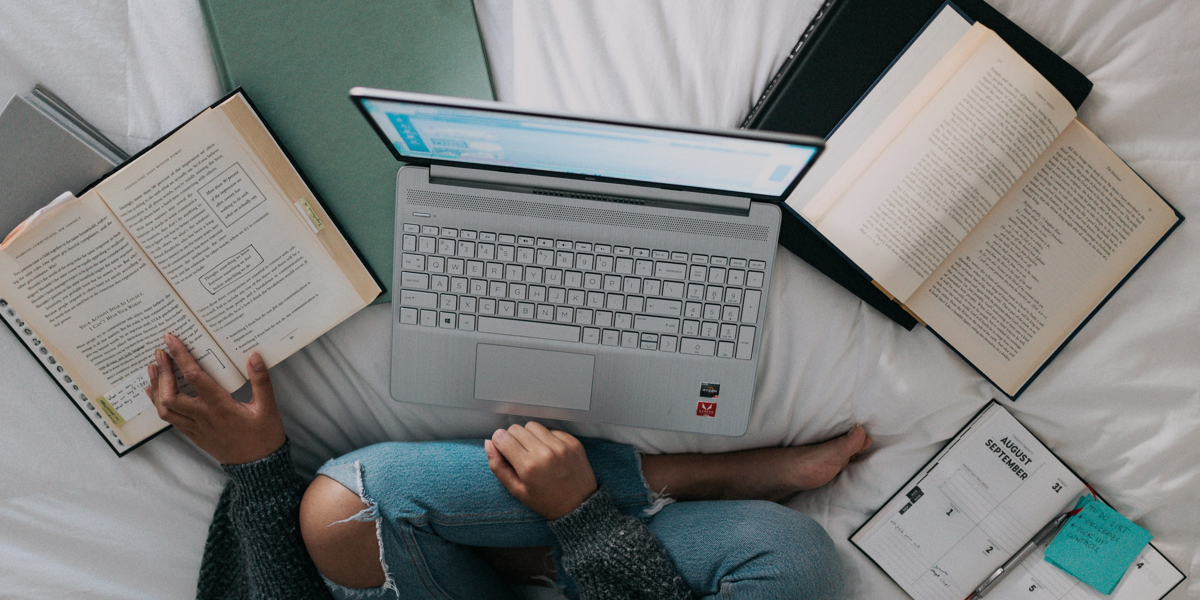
x=1097 y=546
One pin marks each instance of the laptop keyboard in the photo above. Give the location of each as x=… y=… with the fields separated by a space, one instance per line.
x=583 y=292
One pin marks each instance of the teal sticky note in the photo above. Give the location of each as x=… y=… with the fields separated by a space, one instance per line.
x=1085 y=500
x=1097 y=546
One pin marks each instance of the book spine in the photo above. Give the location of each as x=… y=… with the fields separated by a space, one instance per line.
x=215 y=47
x=487 y=59
x=56 y=109
x=61 y=376
x=799 y=48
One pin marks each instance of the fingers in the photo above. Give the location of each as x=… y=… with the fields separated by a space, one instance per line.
x=532 y=448
x=165 y=388
x=503 y=470
x=508 y=446
x=163 y=393
x=181 y=421
x=152 y=372
x=260 y=383
x=190 y=434
x=165 y=368
x=526 y=447
x=528 y=441
x=568 y=439
x=187 y=426
x=191 y=370
x=543 y=435
x=520 y=447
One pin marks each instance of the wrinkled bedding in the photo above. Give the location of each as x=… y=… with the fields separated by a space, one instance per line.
x=1120 y=405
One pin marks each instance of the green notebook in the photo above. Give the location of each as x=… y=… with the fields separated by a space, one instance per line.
x=298 y=60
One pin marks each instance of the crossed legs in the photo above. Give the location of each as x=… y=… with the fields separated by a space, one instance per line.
x=347 y=552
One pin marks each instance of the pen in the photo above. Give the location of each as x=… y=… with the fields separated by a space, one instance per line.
x=1046 y=533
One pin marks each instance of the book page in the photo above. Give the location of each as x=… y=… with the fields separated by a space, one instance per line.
x=932 y=171
x=975 y=506
x=98 y=305
x=1059 y=242
x=244 y=256
x=937 y=40
x=258 y=141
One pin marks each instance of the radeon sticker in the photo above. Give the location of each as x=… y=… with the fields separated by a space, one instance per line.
x=710 y=390
x=706 y=409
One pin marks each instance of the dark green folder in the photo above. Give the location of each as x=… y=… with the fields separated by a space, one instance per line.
x=298 y=60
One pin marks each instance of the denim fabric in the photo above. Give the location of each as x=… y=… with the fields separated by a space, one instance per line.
x=752 y=549
x=429 y=501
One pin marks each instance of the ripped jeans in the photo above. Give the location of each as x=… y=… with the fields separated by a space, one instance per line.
x=432 y=500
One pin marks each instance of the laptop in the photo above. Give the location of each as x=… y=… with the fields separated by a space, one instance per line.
x=583 y=269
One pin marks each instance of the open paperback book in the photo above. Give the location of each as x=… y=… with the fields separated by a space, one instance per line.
x=210 y=234
x=974 y=505
x=965 y=187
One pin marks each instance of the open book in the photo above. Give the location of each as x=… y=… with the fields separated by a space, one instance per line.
x=210 y=234
x=974 y=505
x=965 y=187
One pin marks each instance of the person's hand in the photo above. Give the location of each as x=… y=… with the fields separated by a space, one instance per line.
x=546 y=470
x=231 y=432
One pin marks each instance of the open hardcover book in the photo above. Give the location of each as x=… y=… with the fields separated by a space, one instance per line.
x=210 y=234
x=974 y=505
x=965 y=187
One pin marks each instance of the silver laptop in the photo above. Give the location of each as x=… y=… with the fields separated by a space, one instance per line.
x=580 y=269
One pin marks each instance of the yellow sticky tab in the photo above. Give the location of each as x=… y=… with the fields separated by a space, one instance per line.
x=310 y=215
x=113 y=415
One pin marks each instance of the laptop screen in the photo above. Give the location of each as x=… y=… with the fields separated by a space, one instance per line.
x=512 y=140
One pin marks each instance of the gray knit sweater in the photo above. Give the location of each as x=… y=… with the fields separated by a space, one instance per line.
x=255 y=550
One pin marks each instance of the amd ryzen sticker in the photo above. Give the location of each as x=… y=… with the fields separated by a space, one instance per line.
x=710 y=390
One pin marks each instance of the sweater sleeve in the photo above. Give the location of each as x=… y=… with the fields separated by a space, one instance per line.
x=254 y=548
x=615 y=557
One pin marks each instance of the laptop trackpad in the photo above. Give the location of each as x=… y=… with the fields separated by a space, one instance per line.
x=528 y=376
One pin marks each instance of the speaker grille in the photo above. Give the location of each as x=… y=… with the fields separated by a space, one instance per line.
x=616 y=199
x=595 y=216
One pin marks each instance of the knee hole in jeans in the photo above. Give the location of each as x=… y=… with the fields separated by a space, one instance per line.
x=344 y=549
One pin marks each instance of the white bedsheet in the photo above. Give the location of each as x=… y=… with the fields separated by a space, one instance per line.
x=1120 y=404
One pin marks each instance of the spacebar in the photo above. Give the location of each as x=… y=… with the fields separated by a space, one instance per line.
x=545 y=331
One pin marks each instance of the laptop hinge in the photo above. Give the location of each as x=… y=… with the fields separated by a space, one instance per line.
x=597 y=190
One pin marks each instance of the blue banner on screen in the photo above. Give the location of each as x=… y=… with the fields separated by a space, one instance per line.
x=526 y=142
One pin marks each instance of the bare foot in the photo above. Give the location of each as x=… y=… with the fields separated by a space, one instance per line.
x=816 y=465
x=759 y=474
x=776 y=473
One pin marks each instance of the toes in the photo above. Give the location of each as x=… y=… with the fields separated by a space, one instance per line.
x=856 y=437
x=856 y=441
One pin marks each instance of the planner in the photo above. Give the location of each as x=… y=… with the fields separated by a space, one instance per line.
x=975 y=504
